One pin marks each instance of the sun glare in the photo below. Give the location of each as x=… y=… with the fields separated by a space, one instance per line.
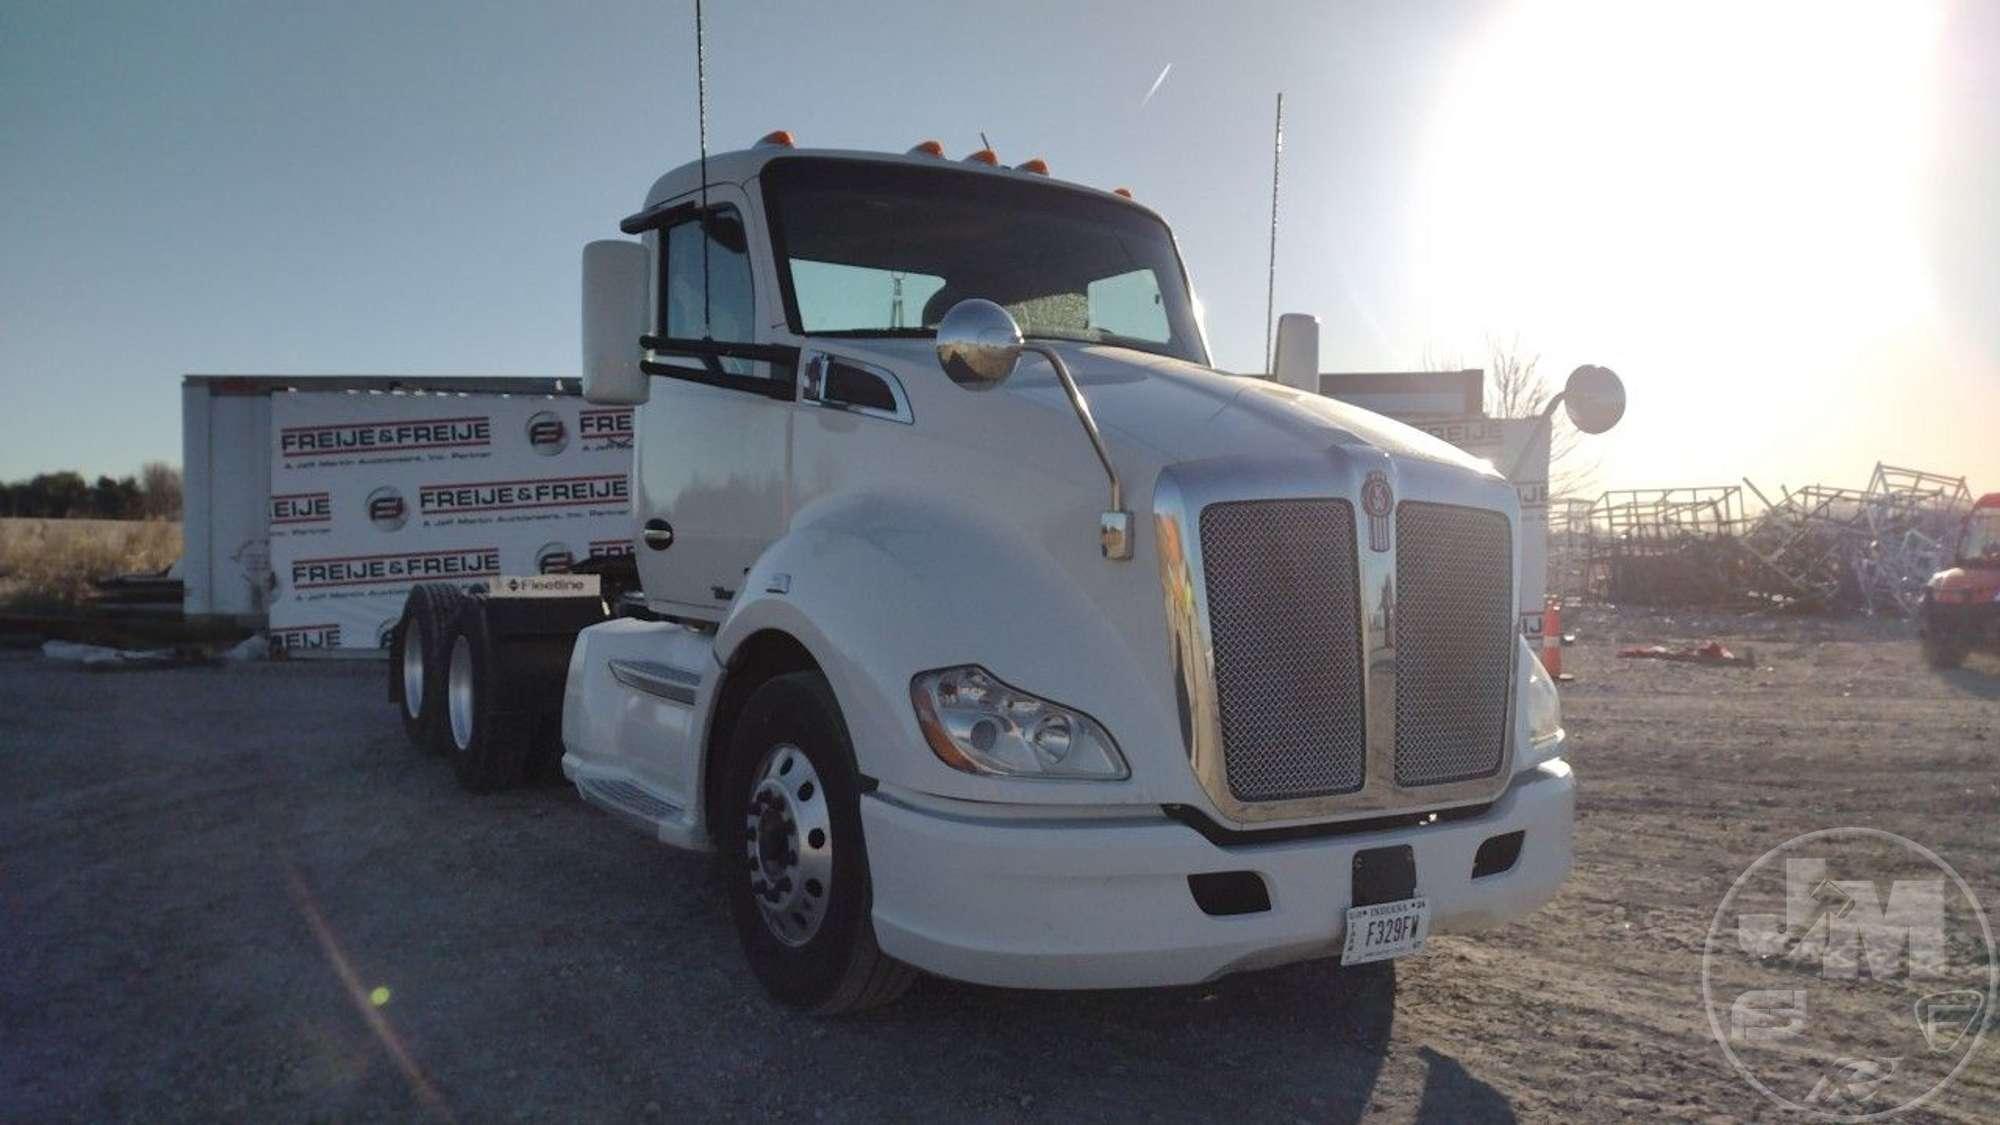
x=1685 y=182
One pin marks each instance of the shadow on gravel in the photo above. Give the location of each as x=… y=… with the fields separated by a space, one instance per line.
x=1209 y=1049
x=1300 y=1042
x=1980 y=682
x=1451 y=1094
x=1305 y=1041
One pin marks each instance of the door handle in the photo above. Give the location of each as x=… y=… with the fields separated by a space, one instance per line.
x=812 y=377
x=658 y=534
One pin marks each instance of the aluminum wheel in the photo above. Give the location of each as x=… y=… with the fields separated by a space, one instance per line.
x=413 y=668
x=789 y=841
x=458 y=694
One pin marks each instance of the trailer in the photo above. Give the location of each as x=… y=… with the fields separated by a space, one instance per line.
x=276 y=470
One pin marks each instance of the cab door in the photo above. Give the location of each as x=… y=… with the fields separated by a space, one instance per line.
x=710 y=472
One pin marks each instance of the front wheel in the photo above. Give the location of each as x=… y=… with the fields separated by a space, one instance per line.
x=800 y=891
x=1942 y=650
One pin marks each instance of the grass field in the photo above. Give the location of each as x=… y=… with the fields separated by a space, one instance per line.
x=49 y=564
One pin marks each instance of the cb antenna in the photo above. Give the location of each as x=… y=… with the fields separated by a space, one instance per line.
x=1271 y=274
x=701 y=114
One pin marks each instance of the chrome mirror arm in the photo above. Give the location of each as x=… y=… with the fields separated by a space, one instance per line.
x=1114 y=527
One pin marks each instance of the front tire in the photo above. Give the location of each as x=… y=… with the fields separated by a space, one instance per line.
x=1943 y=651
x=798 y=886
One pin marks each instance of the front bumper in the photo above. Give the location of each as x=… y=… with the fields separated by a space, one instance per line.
x=1047 y=902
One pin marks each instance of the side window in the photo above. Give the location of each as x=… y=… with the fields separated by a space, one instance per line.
x=1128 y=304
x=721 y=310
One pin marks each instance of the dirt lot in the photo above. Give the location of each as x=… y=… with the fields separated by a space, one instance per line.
x=204 y=874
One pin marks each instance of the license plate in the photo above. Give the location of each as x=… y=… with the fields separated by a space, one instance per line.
x=1385 y=930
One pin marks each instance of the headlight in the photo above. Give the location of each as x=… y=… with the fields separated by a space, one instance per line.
x=1542 y=708
x=978 y=724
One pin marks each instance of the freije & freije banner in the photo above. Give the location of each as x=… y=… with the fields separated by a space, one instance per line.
x=373 y=493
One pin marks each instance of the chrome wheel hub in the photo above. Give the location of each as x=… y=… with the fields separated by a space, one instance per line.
x=458 y=695
x=413 y=669
x=788 y=842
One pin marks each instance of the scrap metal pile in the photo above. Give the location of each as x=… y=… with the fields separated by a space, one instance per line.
x=1813 y=547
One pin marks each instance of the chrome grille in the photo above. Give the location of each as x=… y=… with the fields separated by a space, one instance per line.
x=1284 y=621
x=1454 y=642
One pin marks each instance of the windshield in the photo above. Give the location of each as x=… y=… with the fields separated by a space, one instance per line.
x=874 y=249
x=1982 y=536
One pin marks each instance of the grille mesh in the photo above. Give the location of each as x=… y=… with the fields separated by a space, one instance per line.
x=1454 y=642
x=1284 y=618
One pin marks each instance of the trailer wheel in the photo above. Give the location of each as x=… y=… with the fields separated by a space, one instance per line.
x=799 y=887
x=488 y=742
x=417 y=656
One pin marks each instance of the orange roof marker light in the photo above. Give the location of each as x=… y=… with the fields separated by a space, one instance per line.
x=984 y=156
x=1124 y=191
x=1038 y=166
x=926 y=148
x=776 y=138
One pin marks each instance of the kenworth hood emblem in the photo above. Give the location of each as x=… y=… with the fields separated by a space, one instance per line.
x=1378 y=500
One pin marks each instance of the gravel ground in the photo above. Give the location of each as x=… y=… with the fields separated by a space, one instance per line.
x=209 y=876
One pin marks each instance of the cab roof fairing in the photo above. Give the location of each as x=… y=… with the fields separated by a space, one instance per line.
x=739 y=167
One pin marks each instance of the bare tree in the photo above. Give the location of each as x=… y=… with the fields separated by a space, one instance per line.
x=1515 y=388
x=160 y=490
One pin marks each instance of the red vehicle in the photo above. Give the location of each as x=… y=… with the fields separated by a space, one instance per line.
x=1961 y=608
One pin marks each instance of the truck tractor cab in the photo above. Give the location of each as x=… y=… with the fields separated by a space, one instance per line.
x=1961 y=606
x=988 y=630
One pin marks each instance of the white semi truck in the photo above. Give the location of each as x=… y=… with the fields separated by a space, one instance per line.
x=984 y=628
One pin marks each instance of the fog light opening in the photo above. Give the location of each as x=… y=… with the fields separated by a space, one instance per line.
x=1221 y=894
x=1498 y=854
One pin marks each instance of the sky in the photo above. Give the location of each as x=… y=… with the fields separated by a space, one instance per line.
x=1776 y=221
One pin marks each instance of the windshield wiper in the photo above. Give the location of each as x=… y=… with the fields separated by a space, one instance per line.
x=876 y=333
x=1104 y=340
